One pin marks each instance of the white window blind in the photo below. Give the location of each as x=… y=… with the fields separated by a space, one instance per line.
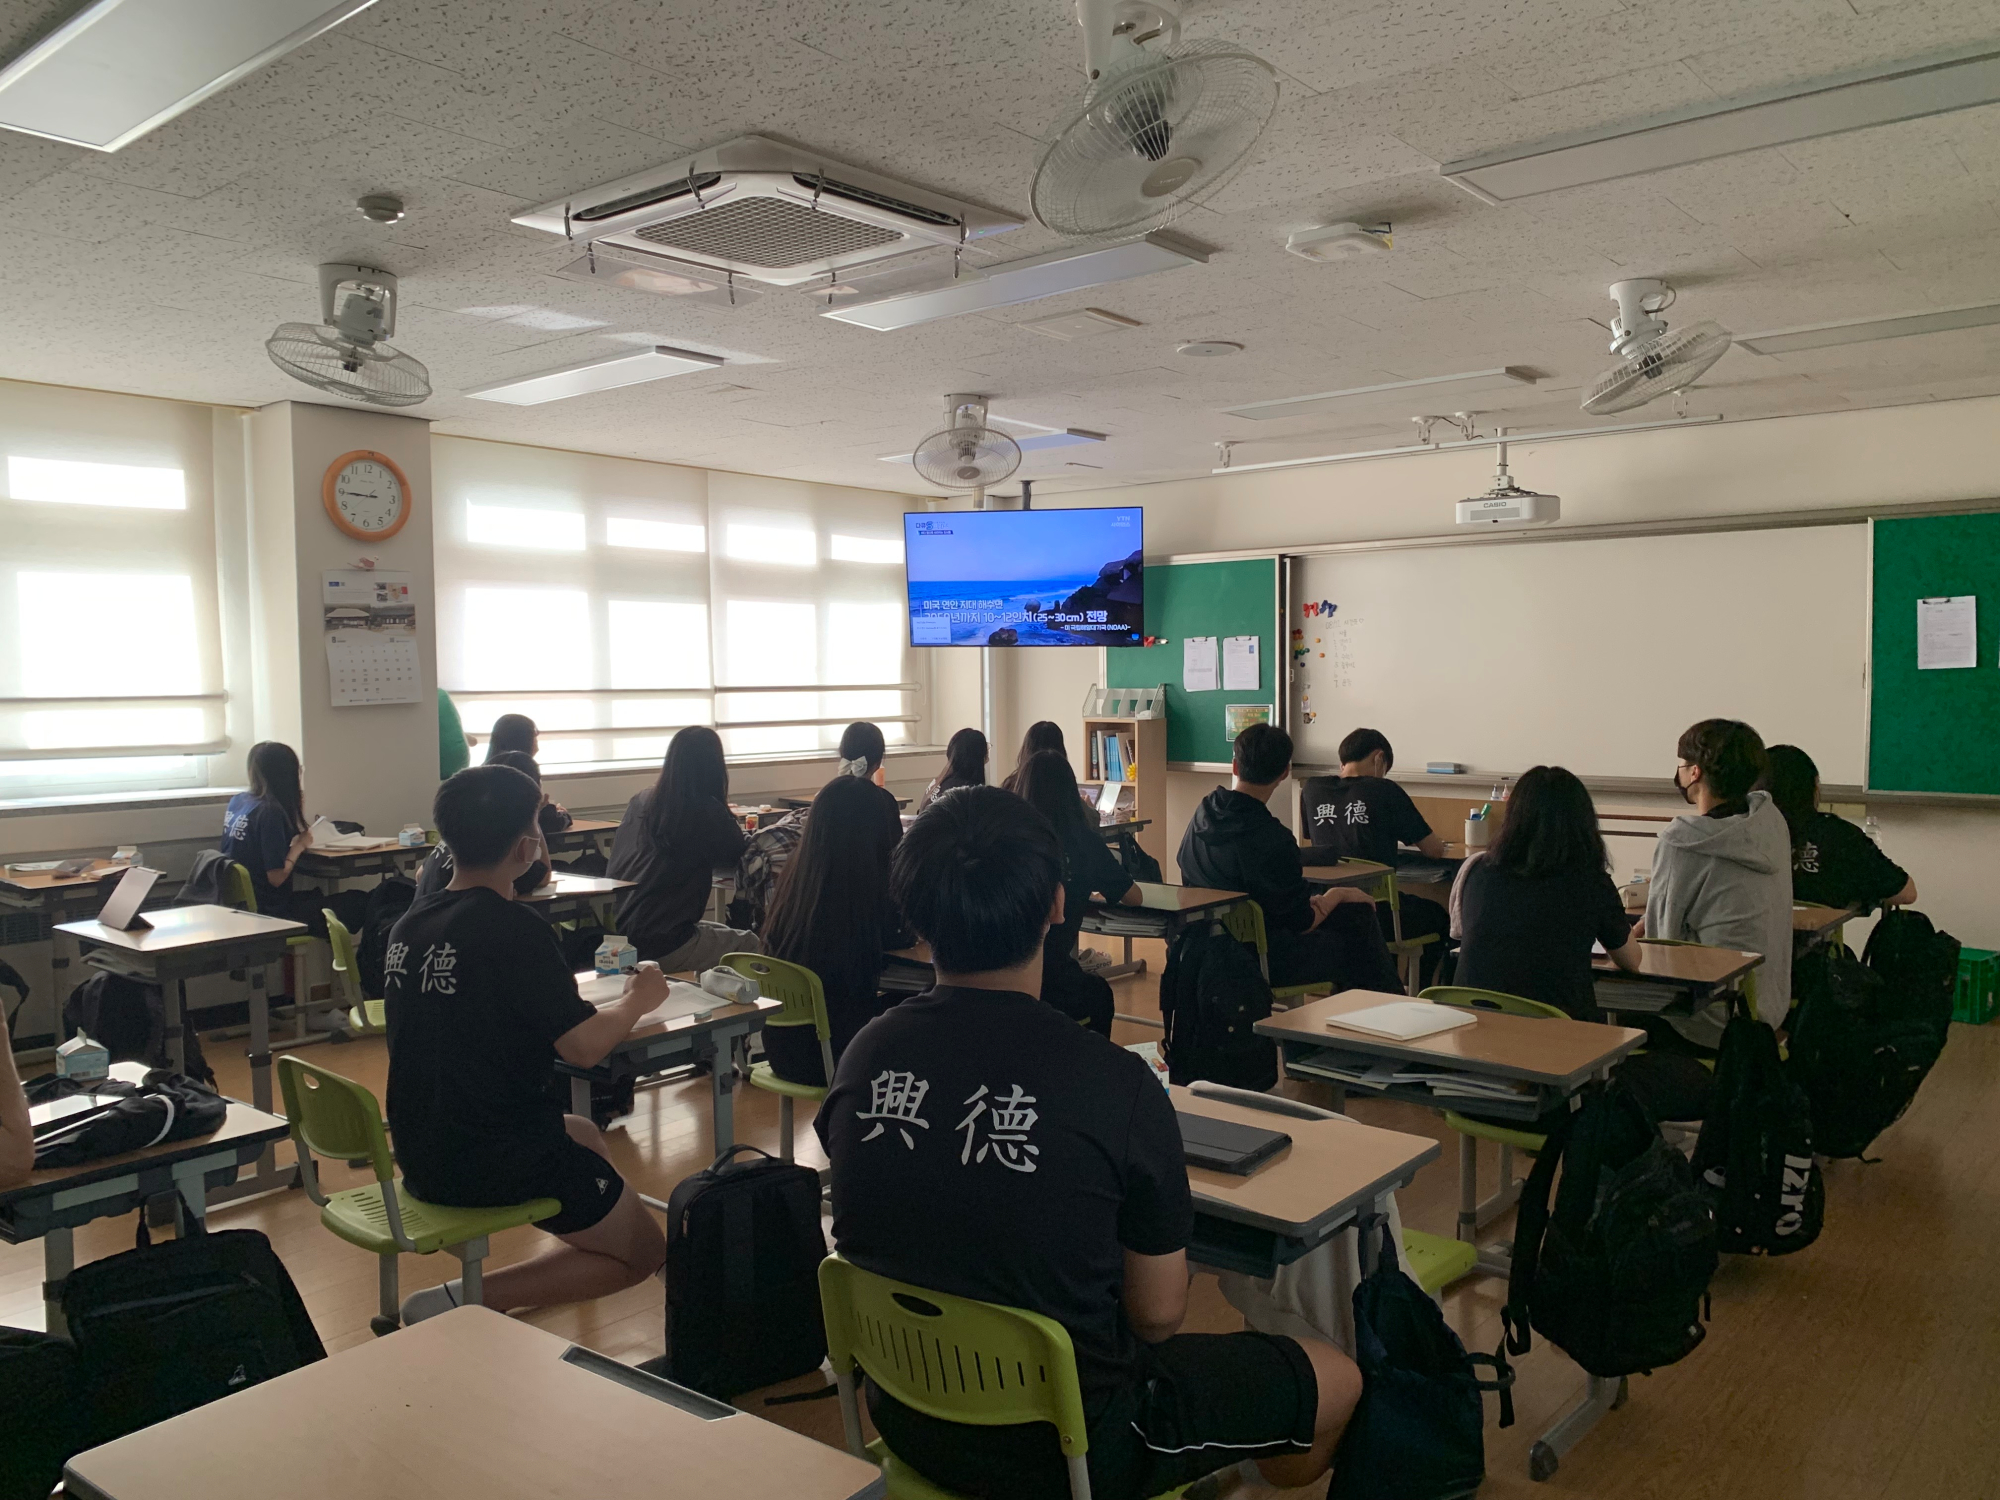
x=110 y=635
x=614 y=600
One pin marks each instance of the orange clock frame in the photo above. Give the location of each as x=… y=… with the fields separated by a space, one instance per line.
x=333 y=505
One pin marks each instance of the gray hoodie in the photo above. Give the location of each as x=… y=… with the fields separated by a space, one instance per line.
x=1727 y=882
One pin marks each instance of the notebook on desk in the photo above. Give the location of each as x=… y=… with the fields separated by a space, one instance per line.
x=1404 y=1020
x=1225 y=1146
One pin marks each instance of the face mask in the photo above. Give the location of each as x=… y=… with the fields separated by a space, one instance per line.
x=1686 y=789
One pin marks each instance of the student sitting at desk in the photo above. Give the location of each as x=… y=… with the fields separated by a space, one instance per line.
x=1046 y=783
x=1233 y=843
x=437 y=868
x=673 y=838
x=516 y=735
x=1531 y=906
x=768 y=851
x=480 y=1004
x=1833 y=862
x=1724 y=876
x=264 y=830
x=833 y=914
x=985 y=1145
x=964 y=765
x=861 y=750
x=1043 y=734
x=1362 y=814
x=17 y=1133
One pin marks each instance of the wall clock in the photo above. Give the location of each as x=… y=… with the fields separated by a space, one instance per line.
x=366 y=495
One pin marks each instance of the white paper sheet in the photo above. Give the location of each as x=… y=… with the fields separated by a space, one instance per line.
x=1198 y=666
x=1240 y=665
x=1948 y=632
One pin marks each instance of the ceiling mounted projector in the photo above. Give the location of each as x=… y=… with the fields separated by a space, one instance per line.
x=1507 y=504
x=1654 y=361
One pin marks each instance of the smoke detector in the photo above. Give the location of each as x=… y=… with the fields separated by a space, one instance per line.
x=1343 y=241
x=1507 y=504
x=757 y=208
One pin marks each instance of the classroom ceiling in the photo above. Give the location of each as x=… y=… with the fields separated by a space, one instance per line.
x=162 y=268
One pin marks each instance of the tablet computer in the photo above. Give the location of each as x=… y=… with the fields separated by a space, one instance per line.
x=122 y=910
x=1225 y=1146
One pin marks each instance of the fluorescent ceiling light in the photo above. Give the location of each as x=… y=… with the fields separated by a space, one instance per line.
x=1017 y=281
x=120 y=68
x=1407 y=394
x=1867 y=330
x=1068 y=438
x=1852 y=101
x=605 y=374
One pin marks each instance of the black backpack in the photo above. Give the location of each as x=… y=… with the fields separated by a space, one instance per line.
x=165 y=1328
x=1212 y=995
x=385 y=907
x=166 y=1107
x=130 y=1017
x=1754 y=1160
x=1918 y=966
x=38 y=1392
x=743 y=1251
x=1420 y=1430
x=1616 y=1277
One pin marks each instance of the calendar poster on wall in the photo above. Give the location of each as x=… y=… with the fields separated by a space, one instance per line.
x=371 y=637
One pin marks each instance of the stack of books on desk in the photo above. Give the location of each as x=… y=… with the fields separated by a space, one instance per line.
x=902 y=976
x=1385 y=1073
x=1125 y=921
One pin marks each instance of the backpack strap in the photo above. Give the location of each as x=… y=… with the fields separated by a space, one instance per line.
x=1531 y=1222
x=1502 y=1383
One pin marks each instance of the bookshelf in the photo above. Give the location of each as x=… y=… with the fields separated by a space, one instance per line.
x=1142 y=750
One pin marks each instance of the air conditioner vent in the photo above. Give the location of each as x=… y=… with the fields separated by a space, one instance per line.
x=855 y=194
x=766 y=232
x=647 y=198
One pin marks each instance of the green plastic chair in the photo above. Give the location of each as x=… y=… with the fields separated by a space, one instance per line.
x=335 y=1117
x=953 y=1359
x=1435 y=1261
x=799 y=991
x=365 y=1017
x=1245 y=922
x=1472 y=1214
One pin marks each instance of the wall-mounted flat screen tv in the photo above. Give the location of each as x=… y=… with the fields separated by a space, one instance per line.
x=1026 y=577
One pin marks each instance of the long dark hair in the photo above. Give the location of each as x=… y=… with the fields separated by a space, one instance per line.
x=832 y=907
x=1793 y=782
x=1042 y=735
x=1047 y=784
x=1550 y=827
x=511 y=732
x=274 y=777
x=964 y=761
x=693 y=775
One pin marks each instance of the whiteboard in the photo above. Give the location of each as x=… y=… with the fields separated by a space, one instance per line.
x=1594 y=654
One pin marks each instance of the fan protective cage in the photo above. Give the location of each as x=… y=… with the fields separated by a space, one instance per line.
x=964 y=458
x=320 y=356
x=1153 y=140
x=1671 y=362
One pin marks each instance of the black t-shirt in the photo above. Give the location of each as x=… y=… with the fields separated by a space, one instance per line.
x=1088 y=865
x=477 y=993
x=1361 y=817
x=1836 y=864
x=257 y=833
x=1531 y=936
x=672 y=882
x=985 y=1145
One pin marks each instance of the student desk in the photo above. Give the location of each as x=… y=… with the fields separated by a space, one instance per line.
x=56 y=899
x=1162 y=912
x=52 y=1203
x=1820 y=924
x=1553 y=1057
x=659 y=1045
x=567 y=896
x=1334 y=1173
x=582 y=836
x=908 y=971
x=1671 y=975
x=186 y=942
x=329 y=870
x=469 y=1405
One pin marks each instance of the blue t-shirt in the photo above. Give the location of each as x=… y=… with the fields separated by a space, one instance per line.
x=257 y=834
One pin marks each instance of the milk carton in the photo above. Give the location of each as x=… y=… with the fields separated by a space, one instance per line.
x=616 y=956
x=84 y=1060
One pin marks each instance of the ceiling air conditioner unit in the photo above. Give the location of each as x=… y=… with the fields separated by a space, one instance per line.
x=760 y=209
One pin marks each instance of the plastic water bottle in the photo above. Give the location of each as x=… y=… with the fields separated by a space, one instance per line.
x=1873 y=828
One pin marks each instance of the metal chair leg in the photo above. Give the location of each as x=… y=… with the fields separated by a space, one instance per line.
x=785 y=1128
x=389 y=1316
x=472 y=1255
x=1468 y=1189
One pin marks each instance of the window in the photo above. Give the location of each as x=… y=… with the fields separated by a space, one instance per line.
x=110 y=629
x=615 y=601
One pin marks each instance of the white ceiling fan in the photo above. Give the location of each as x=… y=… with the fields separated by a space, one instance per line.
x=967 y=453
x=1164 y=123
x=1655 y=362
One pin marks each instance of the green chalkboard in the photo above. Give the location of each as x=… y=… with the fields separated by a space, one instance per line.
x=1203 y=598
x=1934 y=731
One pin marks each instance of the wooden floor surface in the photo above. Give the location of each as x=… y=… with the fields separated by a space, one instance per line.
x=1863 y=1368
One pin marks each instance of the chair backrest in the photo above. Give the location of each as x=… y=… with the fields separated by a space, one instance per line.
x=333 y=1116
x=347 y=974
x=242 y=894
x=796 y=988
x=951 y=1357
x=1472 y=999
x=1245 y=922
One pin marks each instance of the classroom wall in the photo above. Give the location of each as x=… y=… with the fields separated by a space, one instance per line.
x=1943 y=451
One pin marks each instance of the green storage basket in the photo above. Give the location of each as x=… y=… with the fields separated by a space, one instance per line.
x=1978 y=994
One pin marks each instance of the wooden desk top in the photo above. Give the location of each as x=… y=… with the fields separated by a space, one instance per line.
x=1681 y=963
x=180 y=927
x=1820 y=920
x=918 y=952
x=467 y=1404
x=1173 y=898
x=1345 y=871
x=1330 y=1168
x=48 y=880
x=697 y=1022
x=241 y=1123
x=562 y=883
x=586 y=825
x=364 y=851
x=1533 y=1048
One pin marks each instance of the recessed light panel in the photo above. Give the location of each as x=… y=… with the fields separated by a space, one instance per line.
x=1867 y=330
x=595 y=375
x=1434 y=390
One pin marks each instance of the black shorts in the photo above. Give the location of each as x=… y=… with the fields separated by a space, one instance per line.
x=1197 y=1403
x=584 y=1183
